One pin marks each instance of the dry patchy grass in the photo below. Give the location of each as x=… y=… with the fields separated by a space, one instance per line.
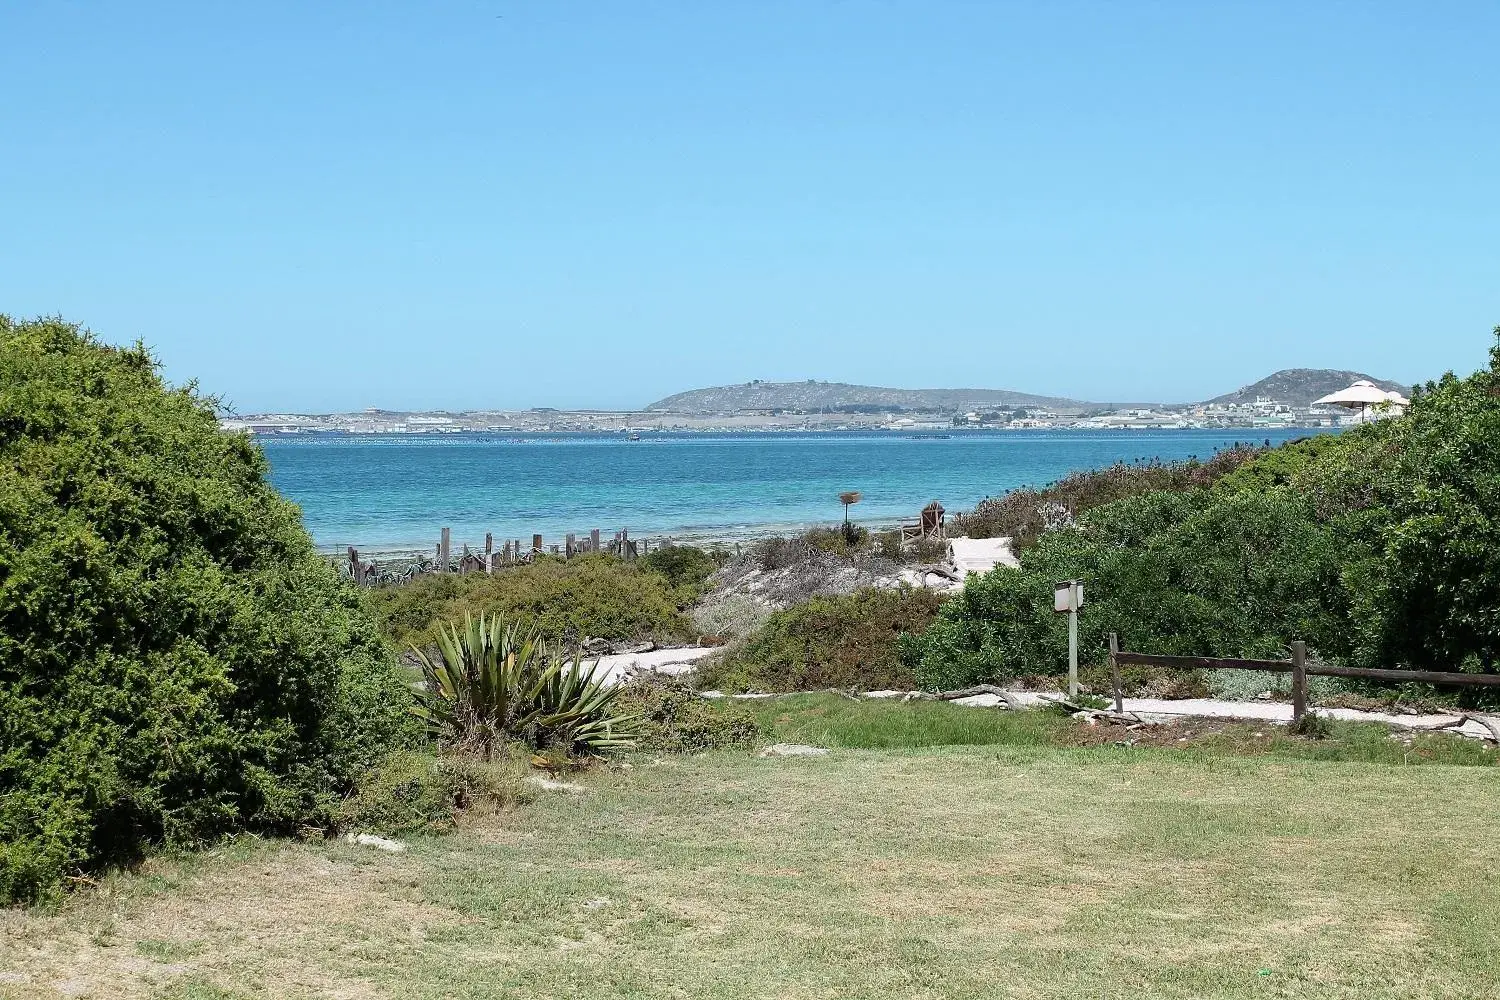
x=1031 y=872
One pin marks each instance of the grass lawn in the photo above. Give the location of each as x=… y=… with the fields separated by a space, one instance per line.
x=1000 y=870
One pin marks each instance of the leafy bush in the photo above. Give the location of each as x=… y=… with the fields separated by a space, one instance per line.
x=684 y=565
x=417 y=791
x=176 y=662
x=493 y=684
x=593 y=596
x=844 y=642
x=670 y=717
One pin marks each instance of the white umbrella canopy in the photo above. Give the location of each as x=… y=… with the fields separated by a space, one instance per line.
x=1361 y=396
x=1361 y=393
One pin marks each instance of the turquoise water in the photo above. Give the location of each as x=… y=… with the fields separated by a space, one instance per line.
x=396 y=492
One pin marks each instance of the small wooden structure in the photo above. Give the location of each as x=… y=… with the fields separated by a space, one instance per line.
x=929 y=524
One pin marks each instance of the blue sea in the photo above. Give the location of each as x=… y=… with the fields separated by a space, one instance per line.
x=395 y=493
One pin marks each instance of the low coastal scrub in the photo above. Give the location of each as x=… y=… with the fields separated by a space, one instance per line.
x=1025 y=515
x=176 y=661
x=592 y=596
x=668 y=716
x=842 y=642
x=1379 y=547
x=412 y=791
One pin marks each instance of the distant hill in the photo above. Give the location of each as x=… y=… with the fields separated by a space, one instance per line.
x=812 y=395
x=1300 y=386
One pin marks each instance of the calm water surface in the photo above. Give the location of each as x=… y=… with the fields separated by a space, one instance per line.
x=397 y=491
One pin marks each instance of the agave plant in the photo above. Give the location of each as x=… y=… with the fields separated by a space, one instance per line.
x=493 y=683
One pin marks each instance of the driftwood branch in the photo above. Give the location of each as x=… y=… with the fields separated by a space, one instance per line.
x=1492 y=726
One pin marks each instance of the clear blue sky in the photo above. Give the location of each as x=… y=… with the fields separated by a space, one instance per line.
x=497 y=203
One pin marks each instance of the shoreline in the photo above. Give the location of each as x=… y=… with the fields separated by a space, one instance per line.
x=725 y=538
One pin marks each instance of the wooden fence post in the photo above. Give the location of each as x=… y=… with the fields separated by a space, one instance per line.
x=570 y=546
x=536 y=544
x=1114 y=672
x=445 y=550
x=594 y=540
x=489 y=552
x=1299 y=680
x=517 y=550
x=354 y=566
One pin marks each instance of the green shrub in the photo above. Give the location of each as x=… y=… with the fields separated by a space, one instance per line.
x=1312 y=725
x=843 y=642
x=493 y=684
x=593 y=596
x=176 y=662
x=683 y=565
x=670 y=717
x=1025 y=515
x=409 y=791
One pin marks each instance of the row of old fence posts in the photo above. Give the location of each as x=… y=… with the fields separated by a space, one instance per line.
x=513 y=553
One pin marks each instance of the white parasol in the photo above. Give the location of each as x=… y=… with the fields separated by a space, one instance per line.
x=1361 y=396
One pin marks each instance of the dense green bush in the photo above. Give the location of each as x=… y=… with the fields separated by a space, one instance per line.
x=594 y=596
x=684 y=565
x=669 y=716
x=843 y=642
x=176 y=662
x=1379 y=547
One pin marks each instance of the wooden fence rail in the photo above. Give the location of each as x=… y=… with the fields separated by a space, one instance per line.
x=1297 y=666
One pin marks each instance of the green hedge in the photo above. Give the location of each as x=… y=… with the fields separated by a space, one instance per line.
x=175 y=661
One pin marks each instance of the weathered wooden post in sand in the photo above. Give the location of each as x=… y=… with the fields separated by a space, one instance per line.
x=594 y=540
x=489 y=552
x=445 y=551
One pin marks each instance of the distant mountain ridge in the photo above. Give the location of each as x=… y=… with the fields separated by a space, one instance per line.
x=1300 y=386
x=1295 y=386
x=812 y=395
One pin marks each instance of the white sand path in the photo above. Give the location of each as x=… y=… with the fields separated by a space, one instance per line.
x=980 y=555
x=1164 y=710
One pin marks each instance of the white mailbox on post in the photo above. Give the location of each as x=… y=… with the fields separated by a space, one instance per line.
x=1066 y=600
x=1068 y=596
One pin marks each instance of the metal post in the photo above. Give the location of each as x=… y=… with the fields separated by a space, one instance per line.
x=1073 y=653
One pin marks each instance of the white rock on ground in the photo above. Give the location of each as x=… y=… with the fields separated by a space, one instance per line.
x=548 y=785
x=614 y=669
x=379 y=843
x=792 y=750
x=980 y=555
